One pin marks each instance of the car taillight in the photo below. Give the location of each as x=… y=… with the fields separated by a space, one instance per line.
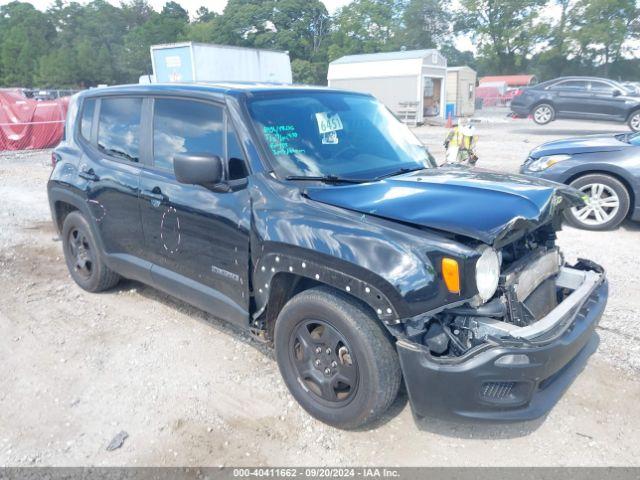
x=55 y=158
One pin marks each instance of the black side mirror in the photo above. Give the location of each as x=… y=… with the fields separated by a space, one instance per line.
x=198 y=169
x=617 y=93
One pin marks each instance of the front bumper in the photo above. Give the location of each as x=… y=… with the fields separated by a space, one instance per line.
x=474 y=387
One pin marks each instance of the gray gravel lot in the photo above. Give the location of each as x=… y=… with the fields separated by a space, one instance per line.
x=188 y=389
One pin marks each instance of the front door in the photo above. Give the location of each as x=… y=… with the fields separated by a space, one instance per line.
x=605 y=103
x=196 y=237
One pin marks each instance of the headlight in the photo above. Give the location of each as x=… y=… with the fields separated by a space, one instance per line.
x=487 y=273
x=545 y=162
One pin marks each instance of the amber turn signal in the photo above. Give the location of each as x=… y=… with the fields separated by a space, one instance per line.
x=451 y=274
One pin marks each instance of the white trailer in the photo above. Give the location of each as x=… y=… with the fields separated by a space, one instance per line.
x=203 y=62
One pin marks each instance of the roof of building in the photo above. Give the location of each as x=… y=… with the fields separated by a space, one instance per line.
x=461 y=67
x=384 y=56
x=510 y=80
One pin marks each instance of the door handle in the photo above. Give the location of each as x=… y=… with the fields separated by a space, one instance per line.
x=88 y=174
x=155 y=196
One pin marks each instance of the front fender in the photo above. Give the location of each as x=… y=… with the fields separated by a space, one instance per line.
x=392 y=267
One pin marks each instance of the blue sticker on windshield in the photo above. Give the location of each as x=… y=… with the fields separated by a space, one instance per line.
x=279 y=138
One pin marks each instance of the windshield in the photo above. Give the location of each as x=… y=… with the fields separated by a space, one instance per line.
x=634 y=139
x=319 y=134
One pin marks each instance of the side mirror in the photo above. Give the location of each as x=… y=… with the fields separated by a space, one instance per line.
x=198 y=168
x=617 y=93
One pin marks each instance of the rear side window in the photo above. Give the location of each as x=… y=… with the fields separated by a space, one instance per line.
x=119 y=128
x=86 y=119
x=185 y=126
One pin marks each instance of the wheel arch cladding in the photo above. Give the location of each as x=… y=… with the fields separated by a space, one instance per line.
x=287 y=273
x=61 y=210
x=64 y=201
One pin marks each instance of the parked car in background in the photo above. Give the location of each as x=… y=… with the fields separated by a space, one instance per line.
x=634 y=86
x=312 y=218
x=589 y=98
x=605 y=168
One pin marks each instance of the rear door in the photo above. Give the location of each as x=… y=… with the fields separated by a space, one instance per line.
x=570 y=97
x=110 y=130
x=197 y=237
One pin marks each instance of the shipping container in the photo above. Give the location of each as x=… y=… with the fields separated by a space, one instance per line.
x=201 y=62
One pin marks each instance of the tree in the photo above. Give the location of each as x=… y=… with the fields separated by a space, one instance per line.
x=602 y=27
x=165 y=27
x=426 y=23
x=366 y=26
x=25 y=36
x=505 y=31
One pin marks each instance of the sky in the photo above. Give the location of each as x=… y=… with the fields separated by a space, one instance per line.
x=190 y=5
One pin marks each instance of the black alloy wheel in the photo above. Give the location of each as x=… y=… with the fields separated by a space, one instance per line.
x=81 y=252
x=336 y=358
x=324 y=362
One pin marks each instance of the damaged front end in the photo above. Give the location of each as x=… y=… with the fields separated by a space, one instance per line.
x=511 y=357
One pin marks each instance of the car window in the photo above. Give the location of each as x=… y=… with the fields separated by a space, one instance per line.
x=333 y=133
x=572 y=85
x=236 y=162
x=185 y=126
x=119 y=127
x=602 y=87
x=86 y=119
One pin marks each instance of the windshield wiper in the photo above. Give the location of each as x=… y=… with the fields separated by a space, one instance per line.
x=399 y=172
x=325 y=179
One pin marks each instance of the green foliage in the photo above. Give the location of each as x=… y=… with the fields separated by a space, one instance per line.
x=426 y=23
x=505 y=31
x=74 y=44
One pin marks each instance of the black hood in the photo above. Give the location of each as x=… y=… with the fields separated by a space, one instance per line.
x=479 y=204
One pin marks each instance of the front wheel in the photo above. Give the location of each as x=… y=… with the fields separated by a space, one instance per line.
x=336 y=359
x=606 y=203
x=543 y=114
x=634 y=121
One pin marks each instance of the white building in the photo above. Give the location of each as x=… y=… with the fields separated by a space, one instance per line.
x=461 y=90
x=405 y=81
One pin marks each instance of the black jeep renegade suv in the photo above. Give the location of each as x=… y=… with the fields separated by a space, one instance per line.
x=316 y=220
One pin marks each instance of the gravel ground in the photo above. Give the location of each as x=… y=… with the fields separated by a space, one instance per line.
x=77 y=368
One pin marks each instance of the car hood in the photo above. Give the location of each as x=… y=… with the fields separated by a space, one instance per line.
x=479 y=204
x=572 y=146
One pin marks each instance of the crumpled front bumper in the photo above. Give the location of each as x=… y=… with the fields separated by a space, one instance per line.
x=475 y=387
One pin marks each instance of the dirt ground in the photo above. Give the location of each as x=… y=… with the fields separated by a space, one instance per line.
x=78 y=368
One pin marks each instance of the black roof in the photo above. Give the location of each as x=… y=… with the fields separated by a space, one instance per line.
x=219 y=88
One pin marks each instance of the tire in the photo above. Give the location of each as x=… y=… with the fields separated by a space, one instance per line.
x=634 y=121
x=543 y=113
x=605 y=192
x=82 y=256
x=360 y=353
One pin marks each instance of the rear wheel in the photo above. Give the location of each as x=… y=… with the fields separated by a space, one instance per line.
x=543 y=114
x=634 y=121
x=607 y=203
x=335 y=358
x=82 y=257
